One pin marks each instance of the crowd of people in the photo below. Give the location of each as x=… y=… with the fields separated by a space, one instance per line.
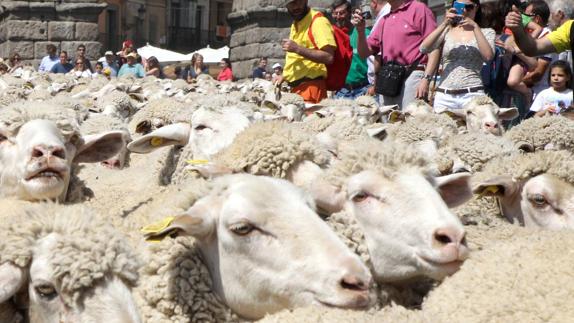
x=400 y=53
x=125 y=62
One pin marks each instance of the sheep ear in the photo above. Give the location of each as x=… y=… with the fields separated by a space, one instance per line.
x=100 y=147
x=507 y=113
x=458 y=117
x=196 y=222
x=174 y=134
x=207 y=169
x=496 y=186
x=454 y=189
x=396 y=116
x=378 y=131
x=11 y=280
x=524 y=146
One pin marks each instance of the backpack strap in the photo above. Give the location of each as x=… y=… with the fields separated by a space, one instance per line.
x=310 y=32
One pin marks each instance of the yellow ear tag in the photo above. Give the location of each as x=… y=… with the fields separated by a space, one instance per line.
x=394 y=117
x=151 y=231
x=156 y=141
x=197 y=161
x=490 y=190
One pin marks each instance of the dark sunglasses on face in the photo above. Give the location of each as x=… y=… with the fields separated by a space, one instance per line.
x=469 y=6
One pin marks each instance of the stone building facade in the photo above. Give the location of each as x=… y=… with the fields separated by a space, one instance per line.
x=26 y=27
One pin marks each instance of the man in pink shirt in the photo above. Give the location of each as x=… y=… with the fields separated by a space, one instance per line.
x=397 y=37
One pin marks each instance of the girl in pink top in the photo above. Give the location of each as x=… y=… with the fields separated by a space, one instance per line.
x=226 y=74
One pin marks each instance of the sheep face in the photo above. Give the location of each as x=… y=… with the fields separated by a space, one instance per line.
x=408 y=228
x=36 y=158
x=487 y=116
x=543 y=201
x=267 y=250
x=109 y=301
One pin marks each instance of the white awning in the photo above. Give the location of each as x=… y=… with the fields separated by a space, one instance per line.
x=211 y=55
x=162 y=55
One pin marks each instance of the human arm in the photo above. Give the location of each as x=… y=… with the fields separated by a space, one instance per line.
x=153 y=71
x=535 y=28
x=436 y=37
x=363 y=48
x=528 y=45
x=432 y=64
x=323 y=55
x=536 y=75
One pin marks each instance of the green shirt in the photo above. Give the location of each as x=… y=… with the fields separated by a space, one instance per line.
x=358 y=71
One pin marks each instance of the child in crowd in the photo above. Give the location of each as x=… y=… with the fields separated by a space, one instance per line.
x=558 y=96
x=99 y=68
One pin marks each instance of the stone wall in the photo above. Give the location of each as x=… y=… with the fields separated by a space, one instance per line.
x=257 y=28
x=27 y=27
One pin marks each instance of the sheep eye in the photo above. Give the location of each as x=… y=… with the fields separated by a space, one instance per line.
x=242 y=228
x=538 y=200
x=360 y=197
x=2 y=138
x=200 y=127
x=46 y=291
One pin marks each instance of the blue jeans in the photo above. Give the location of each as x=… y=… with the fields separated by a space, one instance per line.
x=351 y=94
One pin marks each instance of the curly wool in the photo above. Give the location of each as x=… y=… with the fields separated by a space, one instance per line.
x=473 y=149
x=100 y=123
x=292 y=98
x=522 y=279
x=422 y=127
x=19 y=113
x=386 y=158
x=556 y=131
x=88 y=250
x=120 y=99
x=270 y=148
x=168 y=110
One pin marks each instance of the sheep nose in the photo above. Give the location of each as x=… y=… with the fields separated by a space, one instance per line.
x=48 y=151
x=354 y=283
x=445 y=236
x=491 y=125
x=112 y=163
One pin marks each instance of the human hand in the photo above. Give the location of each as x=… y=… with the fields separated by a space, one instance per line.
x=371 y=90
x=358 y=21
x=422 y=89
x=514 y=20
x=289 y=46
x=468 y=24
x=450 y=16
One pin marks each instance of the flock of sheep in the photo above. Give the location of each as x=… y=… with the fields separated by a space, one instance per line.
x=147 y=200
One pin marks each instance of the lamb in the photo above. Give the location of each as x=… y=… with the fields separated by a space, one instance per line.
x=545 y=133
x=40 y=145
x=483 y=115
x=98 y=123
x=534 y=190
x=61 y=264
x=275 y=217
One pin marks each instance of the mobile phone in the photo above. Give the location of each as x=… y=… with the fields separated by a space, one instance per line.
x=459 y=7
x=366 y=12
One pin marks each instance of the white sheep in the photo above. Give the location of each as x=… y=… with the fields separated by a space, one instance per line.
x=545 y=133
x=239 y=223
x=39 y=146
x=62 y=264
x=158 y=113
x=101 y=123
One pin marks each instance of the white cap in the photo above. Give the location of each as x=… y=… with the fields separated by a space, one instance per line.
x=109 y=53
x=276 y=65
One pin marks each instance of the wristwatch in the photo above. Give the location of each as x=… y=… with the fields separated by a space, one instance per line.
x=427 y=77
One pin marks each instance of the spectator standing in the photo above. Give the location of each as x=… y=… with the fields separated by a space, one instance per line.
x=402 y=32
x=80 y=69
x=110 y=63
x=356 y=83
x=49 y=60
x=226 y=74
x=305 y=69
x=537 y=79
x=560 y=12
x=557 y=41
x=15 y=62
x=261 y=70
x=153 y=68
x=81 y=53
x=196 y=68
x=559 y=95
x=465 y=48
x=63 y=66
x=277 y=73
x=127 y=47
x=379 y=8
x=132 y=67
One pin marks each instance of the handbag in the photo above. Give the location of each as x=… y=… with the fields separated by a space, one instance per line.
x=392 y=76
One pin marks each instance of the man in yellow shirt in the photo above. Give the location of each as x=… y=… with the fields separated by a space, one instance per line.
x=305 y=69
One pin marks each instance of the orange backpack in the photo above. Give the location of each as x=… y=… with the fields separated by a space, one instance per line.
x=336 y=71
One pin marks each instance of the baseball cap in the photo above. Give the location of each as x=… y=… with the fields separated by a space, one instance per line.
x=109 y=53
x=276 y=65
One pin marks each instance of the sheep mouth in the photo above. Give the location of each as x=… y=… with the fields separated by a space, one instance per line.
x=449 y=266
x=47 y=173
x=357 y=302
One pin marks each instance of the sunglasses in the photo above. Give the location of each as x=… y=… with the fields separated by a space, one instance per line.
x=16 y=58
x=79 y=63
x=468 y=6
x=531 y=15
